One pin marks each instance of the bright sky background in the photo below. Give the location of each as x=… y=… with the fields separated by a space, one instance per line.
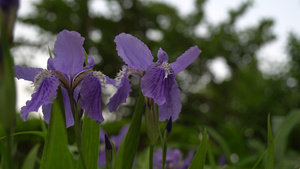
x=285 y=13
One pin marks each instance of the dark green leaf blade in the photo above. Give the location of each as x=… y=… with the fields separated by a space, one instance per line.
x=56 y=153
x=30 y=159
x=128 y=147
x=90 y=143
x=271 y=154
x=199 y=159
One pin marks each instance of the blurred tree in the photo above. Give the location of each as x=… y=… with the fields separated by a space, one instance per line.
x=238 y=103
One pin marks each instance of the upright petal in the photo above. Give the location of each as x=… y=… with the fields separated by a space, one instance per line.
x=133 y=51
x=172 y=106
x=68 y=110
x=185 y=59
x=162 y=55
x=50 y=64
x=45 y=84
x=69 y=53
x=26 y=73
x=90 y=94
x=153 y=84
x=91 y=63
x=122 y=82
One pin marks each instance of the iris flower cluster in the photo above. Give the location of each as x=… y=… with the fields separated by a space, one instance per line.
x=69 y=70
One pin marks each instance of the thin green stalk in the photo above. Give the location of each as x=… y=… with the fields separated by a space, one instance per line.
x=77 y=129
x=151 y=157
x=8 y=160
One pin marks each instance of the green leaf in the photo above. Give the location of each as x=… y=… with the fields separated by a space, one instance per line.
x=290 y=121
x=129 y=145
x=271 y=154
x=199 y=159
x=90 y=143
x=56 y=153
x=31 y=158
x=38 y=133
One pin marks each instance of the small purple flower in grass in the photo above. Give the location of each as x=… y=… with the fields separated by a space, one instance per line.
x=174 y=159
x=116 y=139
x=158 y=78
x=66 y=69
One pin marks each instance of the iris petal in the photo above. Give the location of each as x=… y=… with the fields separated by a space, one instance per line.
x=133 y=51
x=162 y=55
x=26 y=73
x=90 y=93
x=185 y=59
x=46 y=108
x=69 y=53
x=44 y=95
x=68 y=110
x=153 y=84
x=124 y=89
x=172 y=106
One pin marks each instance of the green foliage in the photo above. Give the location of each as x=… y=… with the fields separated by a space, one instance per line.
x=271 y=154
x=56 y=153
x=199 y=158
x=90 y=143
x=31 y=158
x=129 y=145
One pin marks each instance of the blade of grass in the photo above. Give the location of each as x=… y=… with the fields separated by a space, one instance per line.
x=31 y=158
x=129 y=145
x=199 y=159
x=56 y=153
x=90 y=143
x=271 y=154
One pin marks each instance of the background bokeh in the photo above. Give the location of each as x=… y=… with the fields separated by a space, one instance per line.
x=249 y=66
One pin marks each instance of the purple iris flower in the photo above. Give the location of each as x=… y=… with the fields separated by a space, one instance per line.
x=66 y=69
x=116 y=139
x=158 y=78
x=174 y=159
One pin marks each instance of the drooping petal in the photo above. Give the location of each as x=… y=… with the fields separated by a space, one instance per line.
x=162 y=55
x=133 y=51
x=68 y=110
x=172 y=106
x=47 y=111
x=185 y=59
x=69 y=53
x=102 y=135
x=124 y=89
x=26 y=73
x=45 y=84
x=153 y=84
x=90 y=94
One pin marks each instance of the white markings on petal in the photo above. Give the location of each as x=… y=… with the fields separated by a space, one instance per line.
x=39 y=78
x=100 y=76
x=119 y=77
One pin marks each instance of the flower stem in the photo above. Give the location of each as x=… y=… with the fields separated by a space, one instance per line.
x=77 y=128
x=151 y=157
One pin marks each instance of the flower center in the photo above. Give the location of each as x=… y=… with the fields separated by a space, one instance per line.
x=167 y=68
